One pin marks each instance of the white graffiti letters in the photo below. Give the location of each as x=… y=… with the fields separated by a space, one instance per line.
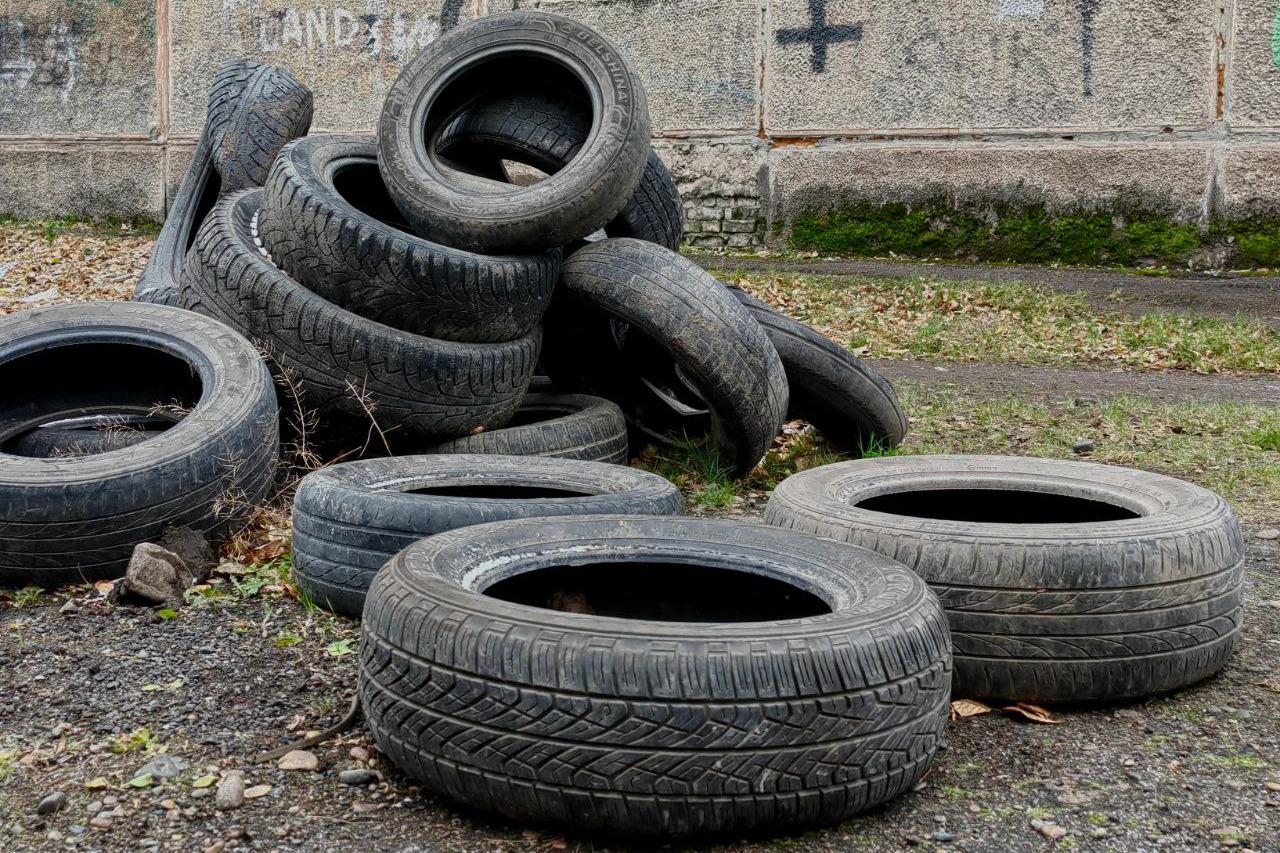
x=337 y=28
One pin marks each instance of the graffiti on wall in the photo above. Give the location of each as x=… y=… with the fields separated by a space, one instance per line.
x=397 y=33
x=39 y=54
x=820 y=35
x=1088 y=11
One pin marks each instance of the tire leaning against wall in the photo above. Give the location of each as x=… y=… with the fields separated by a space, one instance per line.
x=71 y=520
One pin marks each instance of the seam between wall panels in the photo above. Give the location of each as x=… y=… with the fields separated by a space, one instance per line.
x=1224 y=55
x=164 y=87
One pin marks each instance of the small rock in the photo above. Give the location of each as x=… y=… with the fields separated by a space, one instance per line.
x=55 y=802
x=155 y=575
x=1268 y=535
x=102 y=820
x=257 y=792
x=1083 y=402
x=357 y=776
x=1048 y=829
x=1273 y=786
x=359 y=753
x=163 y=766
x=1083 y=447
x=94 y=807
x=943 y=837
x=168 y=805
x=1099 y=832
x=230 y=791
x=298 y=759
x=364 y=808
x=69 y=607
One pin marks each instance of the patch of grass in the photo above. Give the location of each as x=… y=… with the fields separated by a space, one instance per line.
x=53 y=228
x=1212 y=444
x=27 y=596
x=1239 y=761
x=8 y=764
x=699 y=472
x=1096 y=819
x=1011 y=322
x=138 y=739
x=1268 y=438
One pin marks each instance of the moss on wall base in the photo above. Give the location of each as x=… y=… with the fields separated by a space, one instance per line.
x=1036 y=235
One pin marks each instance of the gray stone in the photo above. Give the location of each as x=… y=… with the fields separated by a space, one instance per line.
x=230 y=791
x=298 y=759
x=357 y=776
x=54 y=802
x=1085 y=446
x=155 y=575
x=69 y=607
x=163 y=766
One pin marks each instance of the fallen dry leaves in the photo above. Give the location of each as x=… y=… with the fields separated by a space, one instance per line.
x=41 y=267
x=964 y=709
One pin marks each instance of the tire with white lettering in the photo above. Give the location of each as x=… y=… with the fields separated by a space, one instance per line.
x=847 y=400
x=1064 y=581
x=350 y=519
x=77 y=518
x=533 y=51
x=547 y=133
x=346 y=365
x=560 y=426
x=327 y=221
x=648 y=329
x=254 y=111
x=655 y=677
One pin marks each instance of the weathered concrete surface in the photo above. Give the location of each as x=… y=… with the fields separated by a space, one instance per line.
x=1250 y=182
x=699 y=59
x=1164 y=178
x=895 y=65
x=723 y=184
x=1254 y=72
x=77 y=67
x=347 y=51
x=92 y=180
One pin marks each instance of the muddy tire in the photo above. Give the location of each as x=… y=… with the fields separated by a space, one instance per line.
x=1138 y=594
x=789 y=681
x=254 y=111
x=77 y=519
x=848 y=401
x=328 y=222
x=547 y=133
x=350 y=519
x=531 y=49
x=416 y=387
x=640 y=325
x=560 y=426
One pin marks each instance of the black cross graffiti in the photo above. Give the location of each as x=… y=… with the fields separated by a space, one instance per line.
x=820 y=35
x=450 y=13
x=1088 y=11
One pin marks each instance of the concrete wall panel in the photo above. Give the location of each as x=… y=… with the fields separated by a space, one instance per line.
x=1255 y=64
x=846 y=65
x=70 y=67
x=91 y=180
x=347 y=51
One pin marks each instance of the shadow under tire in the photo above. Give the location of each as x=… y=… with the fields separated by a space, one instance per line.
x=365 y=259
x=415 y=386
x=611 y=721
x=560 y=426
x=1064 y=581
x=847 y=400
x=350 y=519
x=77 y=519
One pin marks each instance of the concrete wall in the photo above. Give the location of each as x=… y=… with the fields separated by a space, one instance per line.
x=763 y=107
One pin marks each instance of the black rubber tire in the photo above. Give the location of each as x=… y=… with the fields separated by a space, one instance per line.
x=78 y=519
x=254 y=110
x=246 y=98
x=848 y=401
x=1084 y=612
x=419 y=387
x=198 y=192
x=524 y=48
x=654 y=728
x=350 y=519
x=363 y=259
x=547 y=133
x=85 y=435
x=689 y=319
x=560 y=426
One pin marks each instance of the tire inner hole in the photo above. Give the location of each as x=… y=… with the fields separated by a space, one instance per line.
x=660 y=592
x=997 y=506
x=360 y=184
x=105 y=388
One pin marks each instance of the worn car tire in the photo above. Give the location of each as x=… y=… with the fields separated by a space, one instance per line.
x=606 y=718
x=72 y=520
x=236 y=107
x=547 y=133
x=685 y=318
x=350 y=519
x=254 y=110
x=560 y=426
x=328 y=222
x=848 y=401
x=550 y=53
x=83 y=435
x=416 y=387
x=1107 y=608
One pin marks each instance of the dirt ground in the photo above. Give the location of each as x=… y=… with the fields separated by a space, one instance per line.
x=129 y=714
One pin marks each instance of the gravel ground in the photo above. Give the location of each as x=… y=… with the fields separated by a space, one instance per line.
x=121 y=722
